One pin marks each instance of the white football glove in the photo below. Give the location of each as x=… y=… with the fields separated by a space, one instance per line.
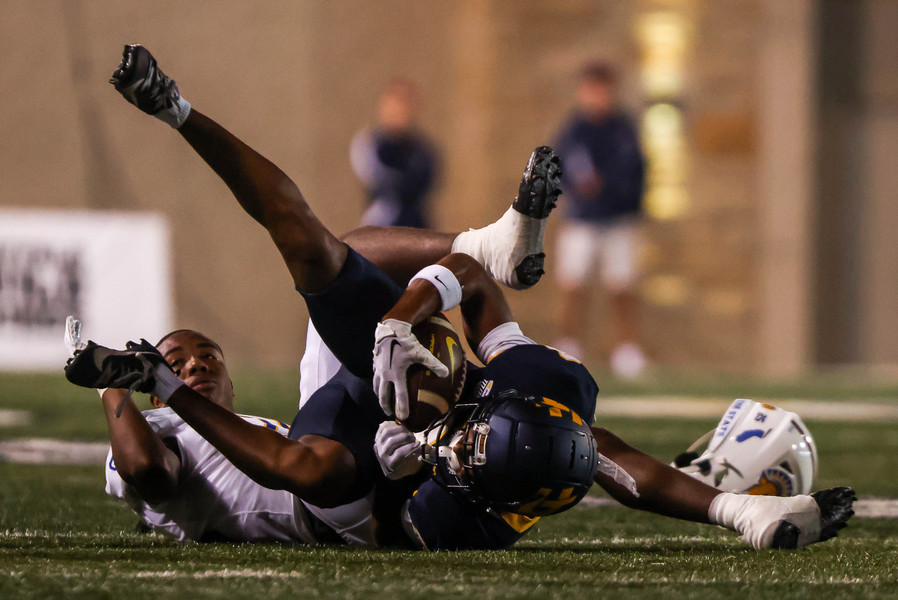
x=397 y=450
x=396 y=349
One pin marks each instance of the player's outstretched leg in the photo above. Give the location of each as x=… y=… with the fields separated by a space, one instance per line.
x=312 y=254
x=511 y=248
x=785 y=523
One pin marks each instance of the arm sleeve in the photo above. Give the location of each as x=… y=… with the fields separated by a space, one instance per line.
x=505 y=336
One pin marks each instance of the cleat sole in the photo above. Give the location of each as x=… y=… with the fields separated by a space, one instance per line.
x=540 y=185
x=785 y=537
x=531 y=269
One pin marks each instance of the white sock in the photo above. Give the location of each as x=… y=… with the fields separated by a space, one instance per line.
x=166 y=383
x=757 y=517
x=502 y=245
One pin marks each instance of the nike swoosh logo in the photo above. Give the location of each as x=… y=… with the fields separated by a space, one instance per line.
x=393 y=345
x=437 y=277
x=450 y=345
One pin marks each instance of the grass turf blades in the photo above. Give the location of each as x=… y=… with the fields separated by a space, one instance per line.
x=62 y=537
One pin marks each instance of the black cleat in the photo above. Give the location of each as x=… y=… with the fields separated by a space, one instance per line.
x=537 y=196
x=835 y=510
x=531 y=270
x=540 y=185
x=786 y=536
x=835 y=506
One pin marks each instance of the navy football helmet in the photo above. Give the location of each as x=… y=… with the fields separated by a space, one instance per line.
x=514 y=453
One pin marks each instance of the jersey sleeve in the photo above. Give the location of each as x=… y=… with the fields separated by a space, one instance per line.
x=502 y=338
x=544 y=372
x=164 y=423
x=115 y=485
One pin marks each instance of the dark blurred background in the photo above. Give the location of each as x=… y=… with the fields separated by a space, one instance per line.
x=770 y=130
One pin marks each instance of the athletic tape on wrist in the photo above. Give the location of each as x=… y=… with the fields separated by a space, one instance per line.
x=177 y=114
x=444 y=281
x=166 y=383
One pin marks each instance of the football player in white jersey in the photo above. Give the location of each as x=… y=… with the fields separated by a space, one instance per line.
x=182 y=487
x=324 y=468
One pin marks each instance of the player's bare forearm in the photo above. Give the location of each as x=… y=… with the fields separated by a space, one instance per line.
x=483 y=304
x=141 y=457
x=661 y=488
x=248 y=174
x=265 y=456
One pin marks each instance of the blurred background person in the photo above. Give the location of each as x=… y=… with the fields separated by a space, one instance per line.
x=395 y=162
x=603 y=183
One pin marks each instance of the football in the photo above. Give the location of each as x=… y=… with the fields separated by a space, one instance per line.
x=430 y=397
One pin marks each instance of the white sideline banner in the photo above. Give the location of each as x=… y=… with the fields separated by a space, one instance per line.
x=110 y=269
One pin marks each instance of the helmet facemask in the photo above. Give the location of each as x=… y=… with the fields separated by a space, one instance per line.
x=455 y=445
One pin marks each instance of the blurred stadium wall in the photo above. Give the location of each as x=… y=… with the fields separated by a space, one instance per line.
x=771 y=127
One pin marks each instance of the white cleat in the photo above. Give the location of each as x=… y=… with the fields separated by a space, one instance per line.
x=511 y=249
x=785 y=523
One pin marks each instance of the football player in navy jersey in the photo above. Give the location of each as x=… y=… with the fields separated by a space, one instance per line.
x=489 y=451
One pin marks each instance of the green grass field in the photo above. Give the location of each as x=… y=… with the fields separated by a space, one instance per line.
x=61 y=536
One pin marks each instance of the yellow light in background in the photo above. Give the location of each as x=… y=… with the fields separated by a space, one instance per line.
x=724 y=302
x=665 y=122
x=666 y=203
x=663 y=38
x=663 y=139
x=669 y=291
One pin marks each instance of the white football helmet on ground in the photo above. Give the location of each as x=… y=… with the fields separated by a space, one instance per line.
x=756 y=449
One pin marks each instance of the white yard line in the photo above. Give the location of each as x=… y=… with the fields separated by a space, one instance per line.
x=57 y=452
x=680 y=407
x=36 y=451
x=876 y=508
x=43 y=533
x=13 y=418
x=222 y=574
x=865 y=508
x=619 y=578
